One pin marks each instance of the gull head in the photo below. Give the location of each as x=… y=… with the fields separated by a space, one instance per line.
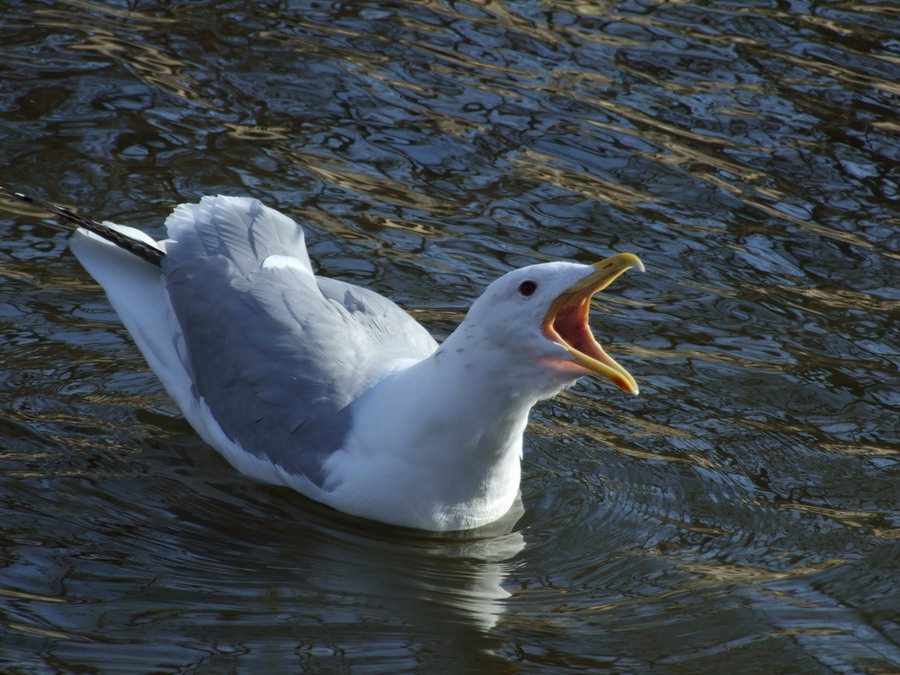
x=535 y=323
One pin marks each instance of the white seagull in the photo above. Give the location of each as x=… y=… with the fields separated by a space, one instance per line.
x=331 y=389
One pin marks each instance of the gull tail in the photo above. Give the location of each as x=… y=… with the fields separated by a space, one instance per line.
x=145 y=251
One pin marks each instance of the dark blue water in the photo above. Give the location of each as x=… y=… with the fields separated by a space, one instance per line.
x=741 y=515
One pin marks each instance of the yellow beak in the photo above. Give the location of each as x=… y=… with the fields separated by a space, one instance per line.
x=567 y=321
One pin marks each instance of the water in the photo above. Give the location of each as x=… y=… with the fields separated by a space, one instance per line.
x=741 y=515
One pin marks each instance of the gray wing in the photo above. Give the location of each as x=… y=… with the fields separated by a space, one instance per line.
x=277 y=354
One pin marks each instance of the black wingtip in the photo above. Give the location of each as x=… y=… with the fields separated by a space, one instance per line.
x=142 y=250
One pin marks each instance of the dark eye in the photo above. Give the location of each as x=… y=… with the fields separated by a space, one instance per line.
x=527 y=287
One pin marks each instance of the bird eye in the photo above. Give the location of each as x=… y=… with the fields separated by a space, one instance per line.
x=527 y=288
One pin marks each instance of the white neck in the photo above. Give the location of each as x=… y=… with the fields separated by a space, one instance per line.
x=441 y=439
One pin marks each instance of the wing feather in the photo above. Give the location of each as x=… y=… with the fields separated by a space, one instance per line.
x=277 y=354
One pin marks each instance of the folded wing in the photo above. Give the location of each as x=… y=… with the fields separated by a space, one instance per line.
x=275 y=354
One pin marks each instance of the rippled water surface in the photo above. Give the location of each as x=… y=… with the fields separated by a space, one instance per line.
x=741 y=515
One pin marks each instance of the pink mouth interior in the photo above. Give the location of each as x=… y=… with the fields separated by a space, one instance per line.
x=571 y=324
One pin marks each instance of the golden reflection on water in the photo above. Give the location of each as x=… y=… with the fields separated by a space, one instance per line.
x=159 y=69
x=328 y=169
x=132 y=15
x=422 y=229
x=44 y=632
x=258 y=133
x=825 y=300
x=860 y=450
x=721 y=572
x=453 y=124
x=538 y=167
x=846 y=517
x=11 y=593
x=709 y=576
x=845 y=74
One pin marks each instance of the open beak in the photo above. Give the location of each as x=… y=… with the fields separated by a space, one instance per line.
x=567 y=321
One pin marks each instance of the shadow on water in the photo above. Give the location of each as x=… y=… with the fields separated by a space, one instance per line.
x=742 y=514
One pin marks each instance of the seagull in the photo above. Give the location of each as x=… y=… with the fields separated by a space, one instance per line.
x=331 y=389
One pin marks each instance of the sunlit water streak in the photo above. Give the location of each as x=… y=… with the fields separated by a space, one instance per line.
x=742 y=514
